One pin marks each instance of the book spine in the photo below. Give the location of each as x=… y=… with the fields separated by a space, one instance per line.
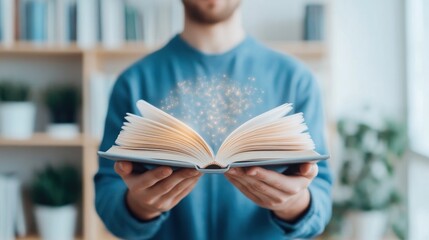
x=20 y=225
x=8 y=22
x=50 y=21
x=128 y=23
x=139 y=26
x=306 y=23
x=148 y=11
x=72 y=21
x=60 y=19
x=113 y=23
x=86 y=23
x=36 y=21
x=314 y=22
x=17 y=23
x=321 y=21
x=1 y=21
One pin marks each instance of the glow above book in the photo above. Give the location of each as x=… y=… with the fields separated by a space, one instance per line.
x=157 y=138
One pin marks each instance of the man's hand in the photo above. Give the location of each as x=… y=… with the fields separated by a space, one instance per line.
x=155 y=191
x=287 y=196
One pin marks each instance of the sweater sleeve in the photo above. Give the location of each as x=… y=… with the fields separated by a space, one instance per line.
x=110 y=190
x=318 y=214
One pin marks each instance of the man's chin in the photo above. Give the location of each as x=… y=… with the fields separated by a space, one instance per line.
x=211 y=13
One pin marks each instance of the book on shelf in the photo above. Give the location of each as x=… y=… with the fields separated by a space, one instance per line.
x=314 y=22
x=156 y=138
x=86 y=23
x=12 y=219
x=7 y=22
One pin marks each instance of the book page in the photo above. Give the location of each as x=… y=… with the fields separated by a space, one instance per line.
x=142 y=133
x=156 y=114
x=157 y=134
x=264 y=118
x=275 y=135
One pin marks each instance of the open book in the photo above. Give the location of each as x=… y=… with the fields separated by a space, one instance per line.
x=157 y=138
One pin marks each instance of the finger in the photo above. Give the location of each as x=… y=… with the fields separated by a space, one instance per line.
x=166 y=202
x=183 y=189
x=123 y=168
x=265 y=192
x=169 y=183
x=256 y=188
x=145 y=180
x=286 y=184
x=309 y=170
x=245 y=190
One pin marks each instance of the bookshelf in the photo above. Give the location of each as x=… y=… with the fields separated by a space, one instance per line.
x=83 y=64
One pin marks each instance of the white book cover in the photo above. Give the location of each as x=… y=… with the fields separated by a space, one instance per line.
x=8 y=21
x=100 y=86
x=60 y=20
x=8 y=208
x=20 y=224
x=112 y=23
x=12 y=189
x=86 y=23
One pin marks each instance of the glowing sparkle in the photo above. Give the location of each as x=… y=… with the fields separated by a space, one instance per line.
x=212 y=105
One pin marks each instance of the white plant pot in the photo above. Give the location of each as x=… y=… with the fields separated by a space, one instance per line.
x=17 y=119
x=63 y=130
x=55 y=223
x=366 y=225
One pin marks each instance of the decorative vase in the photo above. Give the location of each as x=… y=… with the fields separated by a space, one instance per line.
x=55 y=223
x=63 y=130
x=17 y=119
x=366 y=225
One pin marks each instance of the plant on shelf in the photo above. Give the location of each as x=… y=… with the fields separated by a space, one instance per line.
x=370 y=154
x=55 y=192
x=17 y=112
x=63 y=103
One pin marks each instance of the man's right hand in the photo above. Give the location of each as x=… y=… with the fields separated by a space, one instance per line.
x=155 y=191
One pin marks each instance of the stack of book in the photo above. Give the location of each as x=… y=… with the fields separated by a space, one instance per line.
x=88 y=22
x=12 y=219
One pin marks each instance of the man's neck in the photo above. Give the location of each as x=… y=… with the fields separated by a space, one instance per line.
x=216 y=38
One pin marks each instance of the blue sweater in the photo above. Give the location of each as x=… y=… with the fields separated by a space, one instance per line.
x=213 y=93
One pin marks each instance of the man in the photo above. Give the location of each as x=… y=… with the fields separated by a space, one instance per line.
x=213 y=61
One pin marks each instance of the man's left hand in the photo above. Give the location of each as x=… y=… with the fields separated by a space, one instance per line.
x=286 y=195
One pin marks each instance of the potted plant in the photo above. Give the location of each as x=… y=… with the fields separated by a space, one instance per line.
x=63 y=104
x=55 y=192
x=367 y=174
x=17 y=113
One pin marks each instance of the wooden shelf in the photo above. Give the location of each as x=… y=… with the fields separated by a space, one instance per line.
x=40 y=49
x=44 y=140
x=34 y=237
x=300 y=49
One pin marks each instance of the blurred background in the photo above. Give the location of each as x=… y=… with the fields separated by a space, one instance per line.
x=59 y=59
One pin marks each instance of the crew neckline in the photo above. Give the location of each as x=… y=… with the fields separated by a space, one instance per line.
x=180 y=42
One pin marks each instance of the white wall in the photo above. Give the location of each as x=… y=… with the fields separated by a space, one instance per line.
x=368 y=56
